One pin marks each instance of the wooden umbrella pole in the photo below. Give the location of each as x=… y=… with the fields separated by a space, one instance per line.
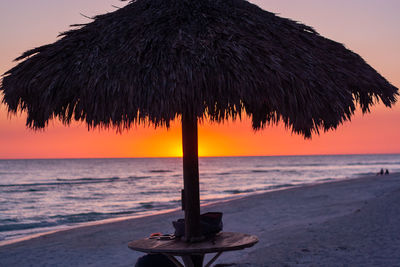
x=191 y=193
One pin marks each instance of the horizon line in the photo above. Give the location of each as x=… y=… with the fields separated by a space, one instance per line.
x=229 y=156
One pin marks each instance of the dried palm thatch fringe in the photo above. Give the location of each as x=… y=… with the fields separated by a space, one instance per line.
x=153 y=60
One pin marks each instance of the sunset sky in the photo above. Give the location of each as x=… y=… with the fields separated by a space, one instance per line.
x=368 y=27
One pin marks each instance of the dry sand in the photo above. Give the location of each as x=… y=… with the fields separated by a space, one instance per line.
x=346 y=223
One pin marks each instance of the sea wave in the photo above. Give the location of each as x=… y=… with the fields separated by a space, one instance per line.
x=24 y=226
x=224 y=173
x=365 y=173
x=372 y=163
x=88 y=217
x=279 y=186
x=64 y=181
x=294 y=164
x=159 y=171
x=325 y=180
x=238 y=191
x=274 y=170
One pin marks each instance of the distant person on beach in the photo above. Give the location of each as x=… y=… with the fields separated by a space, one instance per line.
x=380 y=173
x=387 y=172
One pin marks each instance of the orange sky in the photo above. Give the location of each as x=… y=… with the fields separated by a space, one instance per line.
x=368 y=27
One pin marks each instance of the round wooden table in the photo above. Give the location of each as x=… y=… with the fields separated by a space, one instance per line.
x=193 y=253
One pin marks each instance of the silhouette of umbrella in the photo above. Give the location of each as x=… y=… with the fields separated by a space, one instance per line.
x=156 y=60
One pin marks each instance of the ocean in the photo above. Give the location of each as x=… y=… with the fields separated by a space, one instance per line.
x=41 y=195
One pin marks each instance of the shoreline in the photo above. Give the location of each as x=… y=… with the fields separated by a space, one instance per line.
x=291 y=224
x=62 y=228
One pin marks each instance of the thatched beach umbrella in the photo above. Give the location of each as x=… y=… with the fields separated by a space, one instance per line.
x=156 y=60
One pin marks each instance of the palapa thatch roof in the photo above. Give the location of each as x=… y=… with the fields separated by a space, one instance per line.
x=156 y=59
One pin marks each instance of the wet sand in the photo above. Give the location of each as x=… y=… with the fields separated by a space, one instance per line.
x=354 y=222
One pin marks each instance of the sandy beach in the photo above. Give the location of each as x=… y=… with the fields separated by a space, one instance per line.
x=353 y=222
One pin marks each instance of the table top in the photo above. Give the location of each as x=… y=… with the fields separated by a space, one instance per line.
x=225 y=241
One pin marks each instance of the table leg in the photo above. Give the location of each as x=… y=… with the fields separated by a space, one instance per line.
x=213 y=259
x=174 y=260
x=193 y=260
